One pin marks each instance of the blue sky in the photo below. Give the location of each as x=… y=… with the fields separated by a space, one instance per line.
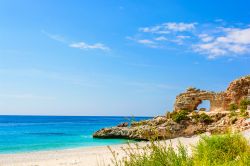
x=117 y=57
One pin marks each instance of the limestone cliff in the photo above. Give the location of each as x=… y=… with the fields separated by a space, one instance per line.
x=236 y=91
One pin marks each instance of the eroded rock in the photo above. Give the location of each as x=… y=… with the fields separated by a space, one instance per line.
x=216 y=121
x=125 y=124
x=236 y=91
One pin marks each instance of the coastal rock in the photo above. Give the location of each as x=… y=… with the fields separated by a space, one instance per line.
x=167 y=128
x=114 y=132
x=185 y=121
x=236 y=91
x=125 y=124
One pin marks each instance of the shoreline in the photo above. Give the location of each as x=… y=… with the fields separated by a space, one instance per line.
x=64 y=148
x=91 y=156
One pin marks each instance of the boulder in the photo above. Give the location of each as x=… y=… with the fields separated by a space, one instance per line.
x=125 y=124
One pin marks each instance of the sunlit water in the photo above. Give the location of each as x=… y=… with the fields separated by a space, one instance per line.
x=35 y=133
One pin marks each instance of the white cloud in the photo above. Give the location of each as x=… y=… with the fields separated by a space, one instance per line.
x=148 y=43
x=239 y=36
x=58 y=38
x=155 y=29
x=231 y=42
x=145 y=41
x=205 y=37
x=179 y=26
x=214 y=39
x=166 y=32
x=183 y=37
x=161 y=38
x=180 y=39
x=85 y=46
x=80 y=45
x=169 y=27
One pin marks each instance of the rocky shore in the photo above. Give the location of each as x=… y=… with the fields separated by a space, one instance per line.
x=229 y=111
x=165 y=128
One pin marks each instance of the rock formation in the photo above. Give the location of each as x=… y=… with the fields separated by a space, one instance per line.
x=236 y=91
x=184 y=121
x=159 y=126
x=166 y=128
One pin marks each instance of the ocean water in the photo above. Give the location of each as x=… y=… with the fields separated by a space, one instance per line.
x=35 y=133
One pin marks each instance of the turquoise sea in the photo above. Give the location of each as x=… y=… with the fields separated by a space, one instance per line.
x=35 y=133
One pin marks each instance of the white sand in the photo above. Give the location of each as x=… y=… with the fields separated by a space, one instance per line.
x=89 y=156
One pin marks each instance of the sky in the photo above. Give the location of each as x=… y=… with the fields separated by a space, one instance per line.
x=117 y=57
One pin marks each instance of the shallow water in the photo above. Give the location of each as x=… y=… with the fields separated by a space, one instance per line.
x=35 y=133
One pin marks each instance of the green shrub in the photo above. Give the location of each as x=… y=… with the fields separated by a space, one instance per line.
x=244 y=103
x=228 y=149
x=181 y=115
x=155 y=154
x=216 y=150
x=195 y=116
x=233 y=113
x=138 y=123
x=233 y=107
x=243 y=112
x=204 y=118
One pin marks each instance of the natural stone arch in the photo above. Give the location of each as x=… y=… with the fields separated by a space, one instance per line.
x=236 y=91
x=192 y=98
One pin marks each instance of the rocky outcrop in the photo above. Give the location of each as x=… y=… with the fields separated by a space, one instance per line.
x=236 y=91
x=184 y=121
x=159 y=127
x=115 y=132
x=125 y=124
x=166 y=128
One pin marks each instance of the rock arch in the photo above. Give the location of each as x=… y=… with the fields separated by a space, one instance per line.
x=193 y=97
x=236 y=91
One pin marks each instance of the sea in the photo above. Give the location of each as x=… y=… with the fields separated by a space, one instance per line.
x=38 y=133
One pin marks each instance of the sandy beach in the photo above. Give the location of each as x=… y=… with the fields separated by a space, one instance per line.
x=89 y=156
